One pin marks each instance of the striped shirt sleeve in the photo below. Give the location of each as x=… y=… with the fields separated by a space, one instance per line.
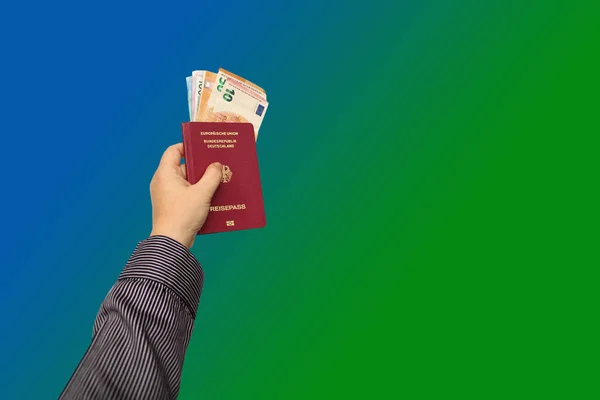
x=144 y=325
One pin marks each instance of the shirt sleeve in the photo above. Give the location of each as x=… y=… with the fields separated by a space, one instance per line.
x=143 y=328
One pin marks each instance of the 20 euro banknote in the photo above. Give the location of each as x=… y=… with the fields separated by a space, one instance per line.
x=188 y=82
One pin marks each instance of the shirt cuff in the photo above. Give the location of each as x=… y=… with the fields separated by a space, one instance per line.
x=168 y=262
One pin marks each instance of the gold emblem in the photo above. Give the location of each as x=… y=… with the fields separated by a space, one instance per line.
x=226 y=174
x=230 y=223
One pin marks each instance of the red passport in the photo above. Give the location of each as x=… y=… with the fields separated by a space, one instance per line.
x=238 y=201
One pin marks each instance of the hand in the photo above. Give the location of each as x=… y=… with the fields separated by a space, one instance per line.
x=179 y=209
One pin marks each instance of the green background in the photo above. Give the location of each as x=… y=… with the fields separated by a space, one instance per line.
x=431 y=214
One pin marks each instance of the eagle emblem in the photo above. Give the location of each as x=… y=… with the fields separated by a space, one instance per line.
x=226 y=174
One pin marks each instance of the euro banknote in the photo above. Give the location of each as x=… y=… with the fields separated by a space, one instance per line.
x=222 y=77
x=188 y=82
x=208 y=84
x=226 y=97
x=236 y=103
x=197 y=85
x=229 y=76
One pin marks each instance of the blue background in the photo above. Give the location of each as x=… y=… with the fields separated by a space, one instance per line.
x=92 y=94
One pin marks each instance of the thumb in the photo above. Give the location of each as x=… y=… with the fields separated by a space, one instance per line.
x=208 y=184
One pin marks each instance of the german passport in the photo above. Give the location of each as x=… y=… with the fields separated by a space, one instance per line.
x=238 y=202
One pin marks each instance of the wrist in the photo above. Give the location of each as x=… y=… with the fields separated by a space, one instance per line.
x=184 y=239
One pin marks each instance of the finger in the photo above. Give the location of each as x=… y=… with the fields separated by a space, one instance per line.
x=208 y=184
x=172 y=156
x=183 y=173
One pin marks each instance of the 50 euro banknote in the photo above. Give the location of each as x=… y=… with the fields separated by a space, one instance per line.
x=197 y=83
x=221 y=78
x=236 y=100
x=225 y=76
x=205 y=86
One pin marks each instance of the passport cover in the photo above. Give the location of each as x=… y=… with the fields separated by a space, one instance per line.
x=238 y=202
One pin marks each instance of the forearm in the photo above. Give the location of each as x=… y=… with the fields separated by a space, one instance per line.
x=143 y=328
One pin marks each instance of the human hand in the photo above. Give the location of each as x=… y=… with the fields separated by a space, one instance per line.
x=179 y=209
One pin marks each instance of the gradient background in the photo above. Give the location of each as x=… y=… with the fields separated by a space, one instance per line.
x=430 y=177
